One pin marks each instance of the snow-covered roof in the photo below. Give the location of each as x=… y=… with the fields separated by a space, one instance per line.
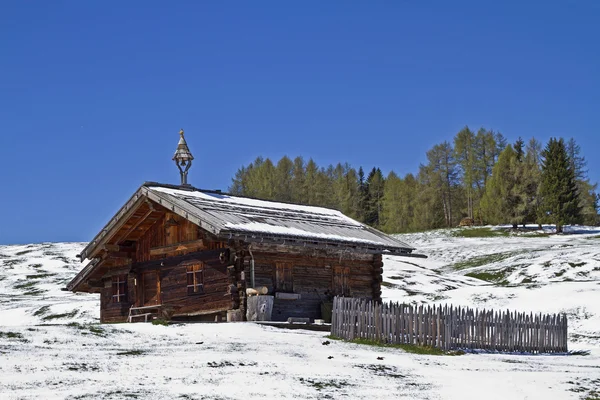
x=253 y=220
x=257 y=220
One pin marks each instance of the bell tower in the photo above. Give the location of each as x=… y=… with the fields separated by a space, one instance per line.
x=183 y=159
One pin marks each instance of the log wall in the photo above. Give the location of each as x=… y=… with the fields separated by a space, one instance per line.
x=116 y=312
x=215 y=296
x=313 y=276
x=168 y=238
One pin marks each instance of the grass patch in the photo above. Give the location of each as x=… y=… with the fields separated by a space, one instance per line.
x=41 y=311
x=510 y=361
x=22 y=253
x=132 y=353
x=382 y=370
x=214 y=364
x=38 y=276
x=11 y=335
x=409 y=348
x=25 y=285
x=497 y=277
x=160 y=321
x=94 y=329
x=34 y=292
x=480 y=233
x=11 y=263
x=59 y=316
x=560 y=273
x=576 y=265
x=320 y=385
x=484 y=260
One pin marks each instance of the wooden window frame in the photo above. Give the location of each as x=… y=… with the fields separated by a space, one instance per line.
x=195 y=279
x=119 y=289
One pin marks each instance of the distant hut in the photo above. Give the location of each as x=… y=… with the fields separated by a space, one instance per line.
x=193 y=254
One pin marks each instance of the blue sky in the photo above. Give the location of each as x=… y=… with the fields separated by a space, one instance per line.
x=92 y=94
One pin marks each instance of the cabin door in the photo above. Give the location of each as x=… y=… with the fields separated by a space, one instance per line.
x=150 y=288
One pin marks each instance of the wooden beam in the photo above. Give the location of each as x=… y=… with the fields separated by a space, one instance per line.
x=119 y=249
x=138 y=223
x=183 y=246
x=174 y=261
x=113 y=226
x=116 y=254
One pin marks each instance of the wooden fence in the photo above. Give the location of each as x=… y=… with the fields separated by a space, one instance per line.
x=449 y=327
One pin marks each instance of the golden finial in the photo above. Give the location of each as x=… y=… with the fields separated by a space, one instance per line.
x=181 y=132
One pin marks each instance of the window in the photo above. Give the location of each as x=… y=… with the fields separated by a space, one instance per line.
x=283 y=278
x=341 y=284
x=195 y=279
x=119 y=289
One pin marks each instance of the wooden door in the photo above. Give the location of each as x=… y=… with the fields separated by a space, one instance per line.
x=150 y=288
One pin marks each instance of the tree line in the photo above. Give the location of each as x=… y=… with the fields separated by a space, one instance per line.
x=478 y=176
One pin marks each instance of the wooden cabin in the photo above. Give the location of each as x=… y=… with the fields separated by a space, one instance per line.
x=192 y=254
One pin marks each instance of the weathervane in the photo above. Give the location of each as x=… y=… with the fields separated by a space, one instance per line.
x=183 y=159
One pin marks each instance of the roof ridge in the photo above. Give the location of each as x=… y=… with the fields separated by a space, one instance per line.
x=190 y=188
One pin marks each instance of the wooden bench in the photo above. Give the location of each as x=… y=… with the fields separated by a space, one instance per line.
x=146 y=311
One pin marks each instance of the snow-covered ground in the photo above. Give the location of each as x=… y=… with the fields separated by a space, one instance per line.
x=51 y=345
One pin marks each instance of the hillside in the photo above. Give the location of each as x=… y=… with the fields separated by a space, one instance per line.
x=51 y=345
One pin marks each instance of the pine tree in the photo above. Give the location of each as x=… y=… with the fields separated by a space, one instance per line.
x=398 y=203
x=464 y=154
x=558 y=189
x=442 y=175
x=375 y=187
x=532 y=176
x=239 y=182
x=298 y=182
x=352 y=194
x=519 y=149
x=505 y=198
x=362 y=195
x=586 y=191
x=283 y=179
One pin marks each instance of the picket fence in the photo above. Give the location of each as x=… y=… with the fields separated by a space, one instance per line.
x=448 y=327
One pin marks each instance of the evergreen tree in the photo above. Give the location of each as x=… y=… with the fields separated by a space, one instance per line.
x=352 y=194
x=558 y=189
x=298 y=182
x=587 y=192
x=464 y=154
x=505 y=198
x=362 y=195
x=316 y=185
x=519 y=149
x=375 y=186
x=531 y=179
x=442 y=175
x=239 y=184
x=398 y=203
x=283 y=179
x=429 y=210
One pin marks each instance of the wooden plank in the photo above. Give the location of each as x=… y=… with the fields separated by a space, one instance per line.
x=183 y=246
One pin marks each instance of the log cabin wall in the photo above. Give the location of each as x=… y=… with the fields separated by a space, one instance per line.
x=110 y=310
x=172 y=236
x=213 y=294
x=316 y=277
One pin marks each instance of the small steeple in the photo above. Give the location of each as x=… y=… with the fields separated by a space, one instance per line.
x=183 y=159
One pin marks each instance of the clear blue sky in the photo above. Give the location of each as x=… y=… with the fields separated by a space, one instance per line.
x=93 y=93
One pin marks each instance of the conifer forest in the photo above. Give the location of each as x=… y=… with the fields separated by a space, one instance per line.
x=478 y=178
